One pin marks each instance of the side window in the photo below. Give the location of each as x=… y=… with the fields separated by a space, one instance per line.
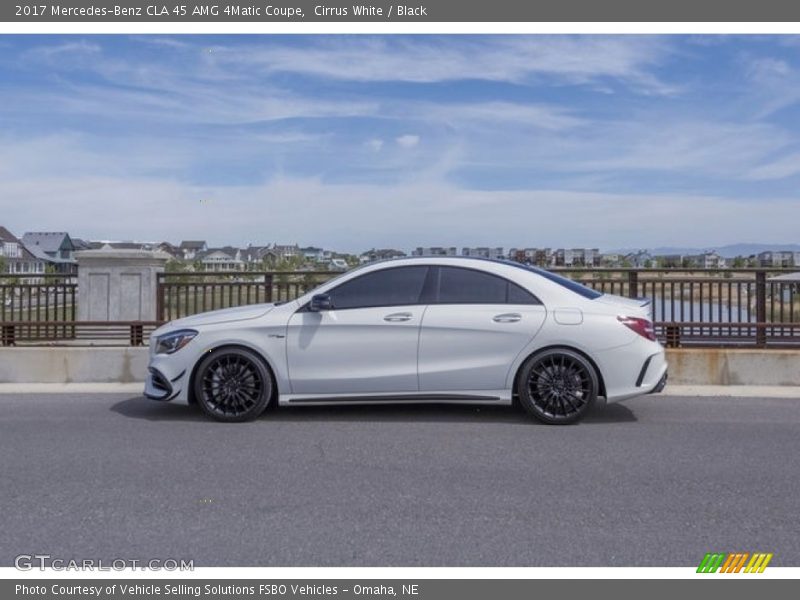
x=467 y=286
x=389 y=287
x=518 y=295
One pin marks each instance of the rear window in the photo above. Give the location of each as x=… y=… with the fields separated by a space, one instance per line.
x=573 y=286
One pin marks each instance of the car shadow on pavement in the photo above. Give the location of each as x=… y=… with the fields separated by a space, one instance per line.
x=149 y=410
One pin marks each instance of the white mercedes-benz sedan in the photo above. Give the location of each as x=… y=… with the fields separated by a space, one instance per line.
x=437 y=329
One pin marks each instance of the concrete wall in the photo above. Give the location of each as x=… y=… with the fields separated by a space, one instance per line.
x=709 y=366
x=72 y=365
x=125 y=365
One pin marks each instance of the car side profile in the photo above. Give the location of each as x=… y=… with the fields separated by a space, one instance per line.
x=414 y=330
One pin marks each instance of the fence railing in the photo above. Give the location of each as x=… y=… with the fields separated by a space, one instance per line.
x=183 y=294
x=44 y=297
x=128 y=333
x=727 y=307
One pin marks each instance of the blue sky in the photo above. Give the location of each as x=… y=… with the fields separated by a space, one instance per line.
x=359 y=141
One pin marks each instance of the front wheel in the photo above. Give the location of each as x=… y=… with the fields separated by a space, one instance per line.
x=233 y=384
x=557 y=386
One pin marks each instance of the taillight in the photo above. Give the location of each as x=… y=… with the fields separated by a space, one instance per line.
x=644 y=327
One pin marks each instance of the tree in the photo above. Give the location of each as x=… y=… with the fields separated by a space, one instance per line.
x=174 y=266
x=738 y=262
x=2 y=264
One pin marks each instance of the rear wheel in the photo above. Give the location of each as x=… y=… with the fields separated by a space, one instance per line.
x=233 y=384
x=557 y=386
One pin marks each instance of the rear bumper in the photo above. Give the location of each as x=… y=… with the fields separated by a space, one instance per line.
x=660 y=385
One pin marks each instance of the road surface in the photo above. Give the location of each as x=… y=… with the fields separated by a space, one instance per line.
x=656 y=481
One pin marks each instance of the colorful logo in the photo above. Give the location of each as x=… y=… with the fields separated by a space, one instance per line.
x=734 y=562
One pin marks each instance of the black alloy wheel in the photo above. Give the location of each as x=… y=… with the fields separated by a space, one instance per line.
x=557 y=386
x=233 y=384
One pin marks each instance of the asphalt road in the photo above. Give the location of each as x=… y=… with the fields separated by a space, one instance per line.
x=657 y=481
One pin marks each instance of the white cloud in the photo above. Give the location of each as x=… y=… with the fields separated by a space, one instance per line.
x=375 y=144
x=778 y=169
x=574 y=59
x=406 y=215
x=407 y=141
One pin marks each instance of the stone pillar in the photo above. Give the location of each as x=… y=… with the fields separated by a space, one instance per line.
x=118 y=285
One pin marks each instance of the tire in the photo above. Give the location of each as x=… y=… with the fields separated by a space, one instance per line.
x=233 y=385
x=557 y=386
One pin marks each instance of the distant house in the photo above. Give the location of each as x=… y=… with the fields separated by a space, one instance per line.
x=609 y=259
x=285 y=250
x=124 y=245
x=639 y=259
x=542 y=257
x=53 y=247
x=315 y=254
x=779 y=259
x=226 y=258
x=170 y=249
x=435 y=251
x=190 y=248
x=706 y=260
x=483 y=252
x=17 y=259
x=380 y=254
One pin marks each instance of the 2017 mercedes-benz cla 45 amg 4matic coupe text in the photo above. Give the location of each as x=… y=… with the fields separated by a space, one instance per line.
x=433 y=329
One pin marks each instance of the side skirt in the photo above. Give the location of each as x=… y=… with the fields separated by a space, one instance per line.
x=498 y=397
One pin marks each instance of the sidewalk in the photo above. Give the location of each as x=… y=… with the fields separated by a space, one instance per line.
x=737 y=391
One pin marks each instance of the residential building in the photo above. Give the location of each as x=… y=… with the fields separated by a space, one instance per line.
x=53 y=247
x=380 y=254
x=285 y=250
x=226 y=258
x=315 y=254
x=542 y=257
x=706 y=260
x=190 y=248
x=641 y=259
x=16 y=258
x=610 y=259
x=483 y=252
x=435 y=251
x=778 y=259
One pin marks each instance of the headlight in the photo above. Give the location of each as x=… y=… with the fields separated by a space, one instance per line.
x=172 y=342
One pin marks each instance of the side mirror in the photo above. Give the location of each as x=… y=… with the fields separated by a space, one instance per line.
x=320 y=302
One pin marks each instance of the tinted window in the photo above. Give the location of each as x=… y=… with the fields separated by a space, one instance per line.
x=574 y=286
x=389 y=287
x=467 y=286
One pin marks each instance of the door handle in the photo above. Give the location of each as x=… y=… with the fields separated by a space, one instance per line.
x=507 y=318
x=398 y=317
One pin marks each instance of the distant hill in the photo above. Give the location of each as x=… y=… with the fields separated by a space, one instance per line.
x=729 y=251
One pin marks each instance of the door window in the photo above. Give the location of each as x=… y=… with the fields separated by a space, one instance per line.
x=468 y=286
x=389 y=287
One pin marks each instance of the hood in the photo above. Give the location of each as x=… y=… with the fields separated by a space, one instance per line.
x=632 y=306
x=225 y=315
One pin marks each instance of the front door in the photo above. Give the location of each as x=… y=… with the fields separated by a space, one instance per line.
x=367 y=343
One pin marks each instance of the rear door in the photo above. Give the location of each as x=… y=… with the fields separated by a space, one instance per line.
x=474 y=327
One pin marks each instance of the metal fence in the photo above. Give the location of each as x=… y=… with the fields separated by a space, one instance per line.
x=45 y=297
x=183 y=294
x=719 y=307
x=725 y=307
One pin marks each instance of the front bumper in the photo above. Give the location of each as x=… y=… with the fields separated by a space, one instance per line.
x=158 y=386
